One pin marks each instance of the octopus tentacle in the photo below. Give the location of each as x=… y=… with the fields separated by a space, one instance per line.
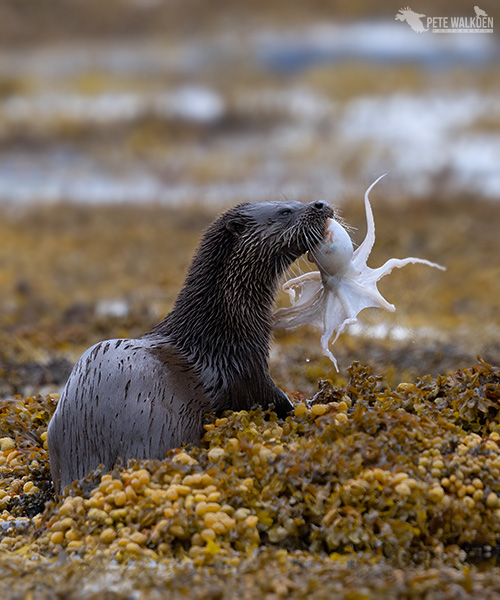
x=363 y=252
x=332 y=297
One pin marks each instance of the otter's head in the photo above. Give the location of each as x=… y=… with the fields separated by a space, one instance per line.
x=276 y=233
x=223 y=314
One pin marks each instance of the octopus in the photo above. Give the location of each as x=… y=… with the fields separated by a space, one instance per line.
x=332 y=297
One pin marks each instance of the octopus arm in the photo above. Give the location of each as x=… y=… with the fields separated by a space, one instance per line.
x=342 y=303
x=331 y=301
x=307 y=308
x=397 y=263
x=330 y=304
x=363 y=252
x=299 y=282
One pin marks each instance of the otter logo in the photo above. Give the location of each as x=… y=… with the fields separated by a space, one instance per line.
x=412 y=18
x=479 y=23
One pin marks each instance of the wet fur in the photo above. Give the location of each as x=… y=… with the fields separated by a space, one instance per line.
x=139 y=398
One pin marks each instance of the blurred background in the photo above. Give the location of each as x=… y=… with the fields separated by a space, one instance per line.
x=127 y=125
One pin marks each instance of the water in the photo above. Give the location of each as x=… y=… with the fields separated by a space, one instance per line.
x=274 y=133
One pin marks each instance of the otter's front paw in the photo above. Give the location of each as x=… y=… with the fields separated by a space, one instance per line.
x=282 y=405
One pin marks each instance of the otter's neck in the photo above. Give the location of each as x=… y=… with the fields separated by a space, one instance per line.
x=222 y=319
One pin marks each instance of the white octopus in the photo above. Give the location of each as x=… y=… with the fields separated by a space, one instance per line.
x=332 y=297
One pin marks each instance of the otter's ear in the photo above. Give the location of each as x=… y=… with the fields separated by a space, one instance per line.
x=236 y=224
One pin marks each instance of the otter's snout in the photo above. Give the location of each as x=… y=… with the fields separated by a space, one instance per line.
x=309 y=230
x=322 y=207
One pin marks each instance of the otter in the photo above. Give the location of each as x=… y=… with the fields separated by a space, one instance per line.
x=138 y=398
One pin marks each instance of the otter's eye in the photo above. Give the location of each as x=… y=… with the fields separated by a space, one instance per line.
x=285 y=212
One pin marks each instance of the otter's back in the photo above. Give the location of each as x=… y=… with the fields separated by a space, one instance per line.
x=123 y=399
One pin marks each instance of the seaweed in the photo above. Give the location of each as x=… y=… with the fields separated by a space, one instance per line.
x=406 y=479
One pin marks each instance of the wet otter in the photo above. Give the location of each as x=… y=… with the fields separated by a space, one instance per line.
x=138 y=398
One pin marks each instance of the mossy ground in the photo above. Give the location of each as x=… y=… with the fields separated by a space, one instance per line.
x=392 y=474
x=368 y=492
x=59 y=290
x=375 y=491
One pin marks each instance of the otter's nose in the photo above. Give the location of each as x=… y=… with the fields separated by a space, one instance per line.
x=320 y=205
x=323 y=206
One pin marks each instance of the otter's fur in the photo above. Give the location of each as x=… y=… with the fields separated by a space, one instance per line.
x=139 y=398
